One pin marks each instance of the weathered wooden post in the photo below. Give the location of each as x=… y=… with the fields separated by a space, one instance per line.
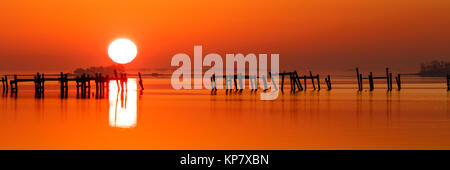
x=358 y=79
x=96 y=85
x=399 y=82
x=61 y=86
x=448 y=82
x=36 y=84
x=318 y=82
x=235 y=82
x=250 y=82
x=282 y=81
x=329 y=82
x=228 y=82
x=42 y=85
x=254 y=80
x=291 y=76
x=142 y=85
x=13 y=83
x=304 y=79
x=66 y=85
x=6 y=83
x=83 y=85
x=265 y=83
x=390 y=81
x=297 y=81
x=101 y=81
x=371 y=81
x=312 y=80
x=77 y=80
x=387 y=78
x=89 y=85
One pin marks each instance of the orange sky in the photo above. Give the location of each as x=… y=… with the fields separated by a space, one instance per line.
x=55 y=35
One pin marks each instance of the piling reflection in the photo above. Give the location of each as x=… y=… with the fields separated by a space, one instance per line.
x=123 y=104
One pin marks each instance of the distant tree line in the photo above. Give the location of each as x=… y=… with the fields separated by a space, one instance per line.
x=434 y=69
x=108 y=70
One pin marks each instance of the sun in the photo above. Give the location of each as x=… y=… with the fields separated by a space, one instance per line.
x=122 y=51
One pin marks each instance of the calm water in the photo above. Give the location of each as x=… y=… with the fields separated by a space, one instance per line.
x=418 y=117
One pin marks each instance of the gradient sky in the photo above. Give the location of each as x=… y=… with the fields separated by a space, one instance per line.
x=55 y=35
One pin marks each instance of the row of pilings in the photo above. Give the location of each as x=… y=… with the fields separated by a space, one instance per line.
x=83 y=83
x=236 y=82
x=233 y=82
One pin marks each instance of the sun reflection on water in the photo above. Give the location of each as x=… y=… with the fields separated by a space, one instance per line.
x=123 y=105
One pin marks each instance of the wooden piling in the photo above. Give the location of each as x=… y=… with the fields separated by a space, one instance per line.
x=89 y=85
x=282 y=82
x=61 y=81
x=399 y=82
x=297 y=81
x=101 y=85
x=390 y=81
x=318 y=82
x=142 y=85
x=42 y=85
x=77 y=80
x=329 y=82
x=387 y=78
x=304 y=80
x=265 y=82
x=6 y=83
x=312 y=80
x=358 y=79
x=292 y=76
x=371 y=81
x=235 y=82
x=448 y=82
x=13 y=84
x=96 y=81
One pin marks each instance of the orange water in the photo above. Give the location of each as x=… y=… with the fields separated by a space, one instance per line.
x=417 y=117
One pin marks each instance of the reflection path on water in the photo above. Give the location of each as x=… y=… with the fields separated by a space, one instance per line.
x=123 y=104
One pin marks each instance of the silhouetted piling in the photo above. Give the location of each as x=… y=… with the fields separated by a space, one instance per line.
x=399 y=82
x=282 y=81
x=328 y=82
x=312 y=80
x=297 y=81
x=371 y=79
x=318 y=82
x=140 y=81
x=390 y=81
x=13 y=85
x=448 y=82
x=358 y=78
x=371 y=86
x=387 y=79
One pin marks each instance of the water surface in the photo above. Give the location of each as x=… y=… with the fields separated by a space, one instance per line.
x=416 y=117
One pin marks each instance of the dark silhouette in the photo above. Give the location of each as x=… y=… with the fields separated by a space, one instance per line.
x=109 y=70
x=371 y=78
x=434 y=69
